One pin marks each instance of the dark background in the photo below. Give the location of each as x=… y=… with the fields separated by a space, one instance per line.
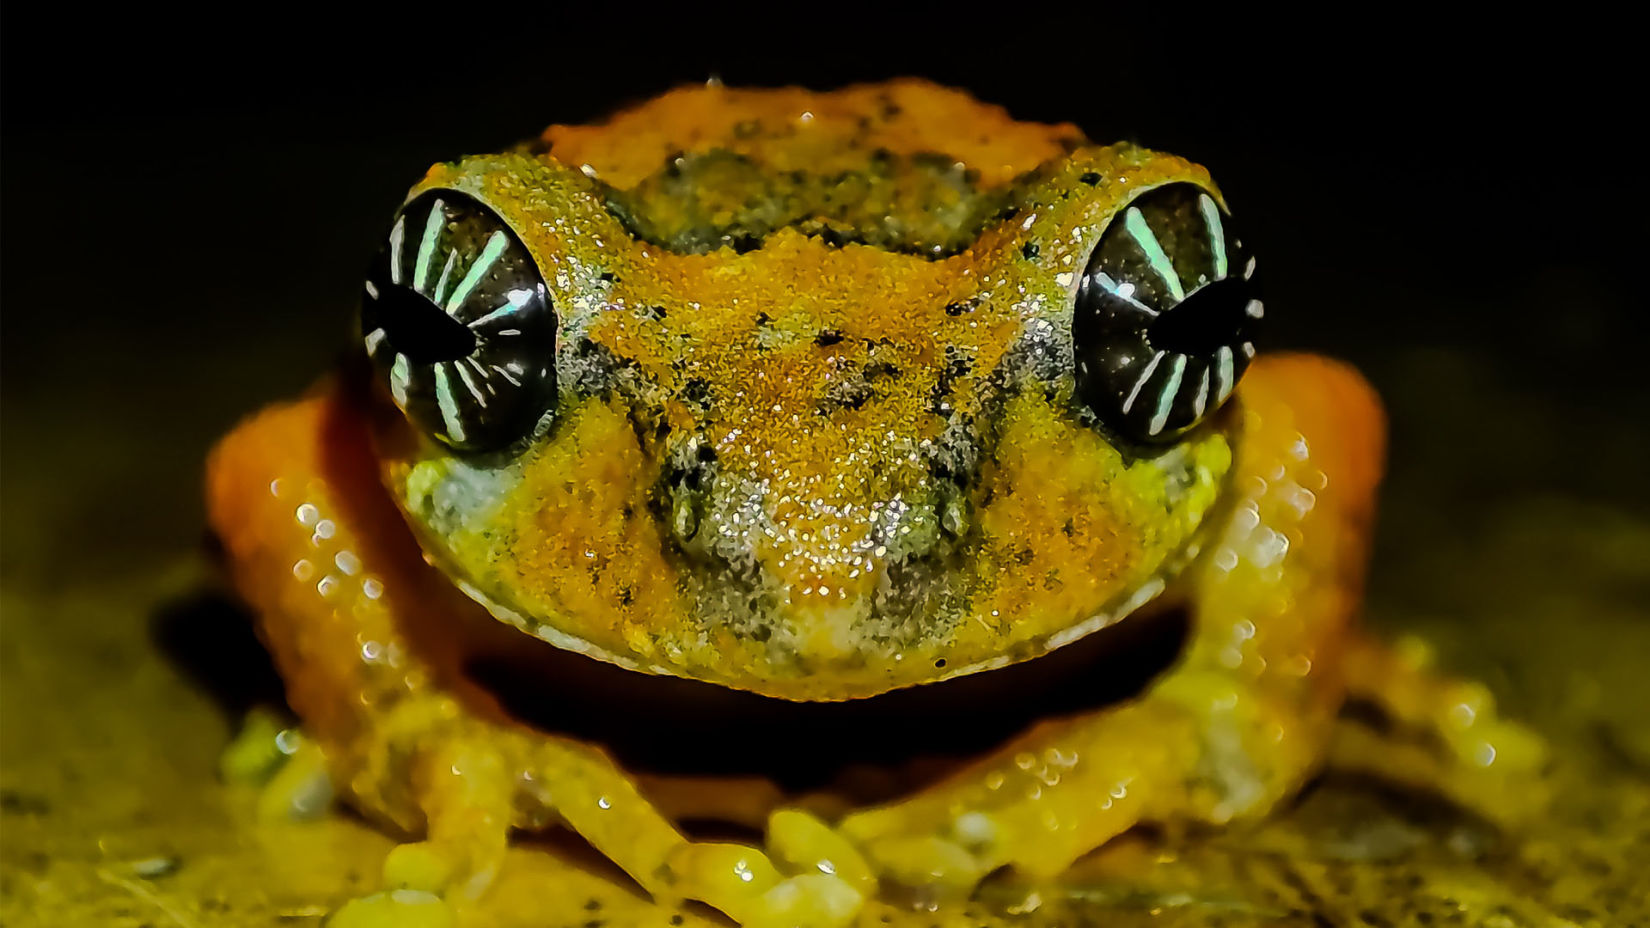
x=190 y=195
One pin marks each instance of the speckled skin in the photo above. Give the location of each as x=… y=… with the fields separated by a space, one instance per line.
x=904 y=490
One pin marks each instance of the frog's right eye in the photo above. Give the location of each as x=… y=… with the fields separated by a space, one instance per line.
x=1165 y=315
x=457 y=320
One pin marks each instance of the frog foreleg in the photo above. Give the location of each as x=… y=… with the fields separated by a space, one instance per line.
x=1242 y=720
x=1442 y=734
x=368 y=639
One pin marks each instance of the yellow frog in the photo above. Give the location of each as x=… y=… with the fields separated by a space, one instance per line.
x=750 y=421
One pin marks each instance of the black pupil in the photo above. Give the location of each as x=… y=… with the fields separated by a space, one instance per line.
x=1210 y=317
x=421 y=330
x=1163 y=325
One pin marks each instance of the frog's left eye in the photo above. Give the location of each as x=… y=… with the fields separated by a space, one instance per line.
x=457 y=320
x=1165 y=314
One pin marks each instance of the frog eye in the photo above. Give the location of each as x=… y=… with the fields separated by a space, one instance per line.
x=457 y=321
x=1164 y=316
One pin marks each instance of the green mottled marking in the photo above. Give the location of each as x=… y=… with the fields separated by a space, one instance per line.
x=1217 y=233
x=1165 y=399
x=396 y=235
x=399 y=374
x=1147 y=240
x=446 y=273
x=495 y=247
x=426 y=246
x=449 y=406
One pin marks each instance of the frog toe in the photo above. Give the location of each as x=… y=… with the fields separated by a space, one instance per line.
x=289 y=770
x=397 y=908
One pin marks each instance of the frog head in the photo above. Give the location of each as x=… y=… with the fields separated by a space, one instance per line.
x=810 y=395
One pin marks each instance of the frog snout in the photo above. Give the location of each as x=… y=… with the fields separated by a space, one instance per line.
x=817 y=535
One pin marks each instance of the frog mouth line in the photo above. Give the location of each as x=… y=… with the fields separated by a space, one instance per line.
x=1130 y=604
x=675 y=725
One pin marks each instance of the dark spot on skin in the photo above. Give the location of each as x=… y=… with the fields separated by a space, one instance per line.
x=594 y=923
x=846 y=394
x=1031 y=250
x=745 y=244
x=677 y=919
x=696 y=391
x=13 y=802
x=706 y=454
x=833 y=238
x=1025 y=556
x=881 y=369
x=961 y=306
x=940 y=662
x=828 y=338
x=1090 y=178
x=763 y=320
x=607 y=277
x=659 y=312
x=592 y=905
x=1008 y=214
x=625 y=596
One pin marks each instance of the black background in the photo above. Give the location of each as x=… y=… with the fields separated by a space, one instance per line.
x=191 y=193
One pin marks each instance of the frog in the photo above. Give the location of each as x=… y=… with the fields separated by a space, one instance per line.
x=814 y=401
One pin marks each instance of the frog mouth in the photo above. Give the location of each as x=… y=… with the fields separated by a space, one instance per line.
x=679 y=726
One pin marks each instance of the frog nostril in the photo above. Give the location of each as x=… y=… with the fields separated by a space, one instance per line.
x=684 y=494
x=684 y=517
x=954 y=518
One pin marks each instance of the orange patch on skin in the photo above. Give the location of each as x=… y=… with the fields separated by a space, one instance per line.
x=792 y=129
x=1071 y=527
x=583 y=540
